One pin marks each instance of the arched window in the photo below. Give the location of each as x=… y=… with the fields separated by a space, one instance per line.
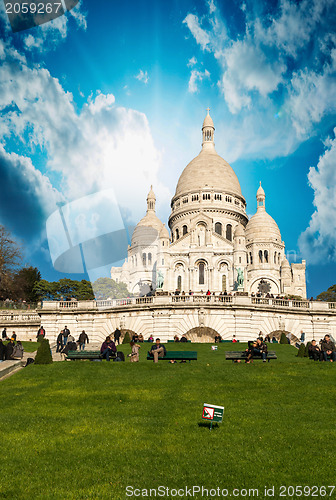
x=144 y=259
x=179 y=283
x=275 y=255
x=279 y=258
x=177 y=234
x=239 y=260
x=184 y=230
x=218 y=228
x=266 y=255
x=247 y=258
x=149 y=259
x=201 y=273
x=251 y=258
x=260 y=256
x=229 y=232
x=223 y=283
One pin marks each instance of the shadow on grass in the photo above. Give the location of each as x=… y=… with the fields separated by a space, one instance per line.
x=208 y=425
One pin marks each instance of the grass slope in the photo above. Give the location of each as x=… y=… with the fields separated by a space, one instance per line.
x=78 y=430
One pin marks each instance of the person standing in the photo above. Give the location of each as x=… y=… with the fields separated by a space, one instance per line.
x=9 y=349
x=4 y=334
x=66 y=333
x=59 y=342
x=40 y=331
x=117 y=335
x=83 y=339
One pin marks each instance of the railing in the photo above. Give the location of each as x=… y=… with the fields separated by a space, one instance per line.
x=19 y=318
x=239 y=300
x=68 y=304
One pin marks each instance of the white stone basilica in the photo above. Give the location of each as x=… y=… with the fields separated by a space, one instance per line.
x=212 y=244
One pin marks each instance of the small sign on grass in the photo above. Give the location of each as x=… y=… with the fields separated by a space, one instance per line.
x=213 y=413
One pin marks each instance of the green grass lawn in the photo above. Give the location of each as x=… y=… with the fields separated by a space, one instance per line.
x=81 y=429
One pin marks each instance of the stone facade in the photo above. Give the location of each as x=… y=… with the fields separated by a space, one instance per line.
x=212 y=244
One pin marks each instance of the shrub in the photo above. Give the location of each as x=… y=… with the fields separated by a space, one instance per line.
x=127 y=338
x=43 y=355
x=40 y=338
x=307 y=350
x=301 y=351
x=283 y=339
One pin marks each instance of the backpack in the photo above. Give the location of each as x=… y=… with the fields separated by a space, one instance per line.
x=120 y=356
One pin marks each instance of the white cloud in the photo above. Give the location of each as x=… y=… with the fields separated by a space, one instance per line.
x=192 y=62
x=318 y=241
x=47 y=35
x=102 y=146
x=195 y=77
x=142 y=76
x=282 y=61
x=201 y=36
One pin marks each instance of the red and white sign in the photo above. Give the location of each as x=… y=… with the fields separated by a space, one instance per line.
x=208 y=413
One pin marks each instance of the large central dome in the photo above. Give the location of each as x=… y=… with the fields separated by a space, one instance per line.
x=208 y=170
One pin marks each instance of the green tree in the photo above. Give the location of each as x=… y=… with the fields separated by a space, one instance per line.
x=329 y=295
x=10 y=258
x=106 y=288
x=43 y=355
x=283 y=339
x=24 y=282
x=301 y=351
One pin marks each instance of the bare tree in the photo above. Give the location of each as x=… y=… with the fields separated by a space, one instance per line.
x=10 y=259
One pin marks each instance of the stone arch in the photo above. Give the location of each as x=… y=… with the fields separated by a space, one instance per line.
x=253 y=288
x=201 y=334
x=277 y=335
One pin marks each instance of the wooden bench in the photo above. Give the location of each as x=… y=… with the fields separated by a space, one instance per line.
x=241 y=355
x=179 y=342
x=92 y=355
x=176 y=356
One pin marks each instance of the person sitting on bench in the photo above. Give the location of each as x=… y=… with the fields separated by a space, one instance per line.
x=258 y=347
x=108 y=349
x=157 y=350
x=314 y=351
x=328 y=349
x=218 y=338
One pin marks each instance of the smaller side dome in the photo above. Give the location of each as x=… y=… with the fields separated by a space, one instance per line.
x=164 y=232
x=239 y=231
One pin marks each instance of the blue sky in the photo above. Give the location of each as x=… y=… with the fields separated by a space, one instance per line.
x=112 y=96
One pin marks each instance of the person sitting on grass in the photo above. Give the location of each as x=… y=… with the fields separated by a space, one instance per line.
x=9 y=349
x=2 y=351
x=108 y=349
x=314 y=351
x=184 y=338
x=328 y=349
x=18 y=351
x=176 y=339
x=258 y=347
x=135 y=352
x=157 y=350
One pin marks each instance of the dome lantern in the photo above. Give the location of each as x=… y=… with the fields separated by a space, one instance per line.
x=151 y=200
x=261 y=198
x=208 y=131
